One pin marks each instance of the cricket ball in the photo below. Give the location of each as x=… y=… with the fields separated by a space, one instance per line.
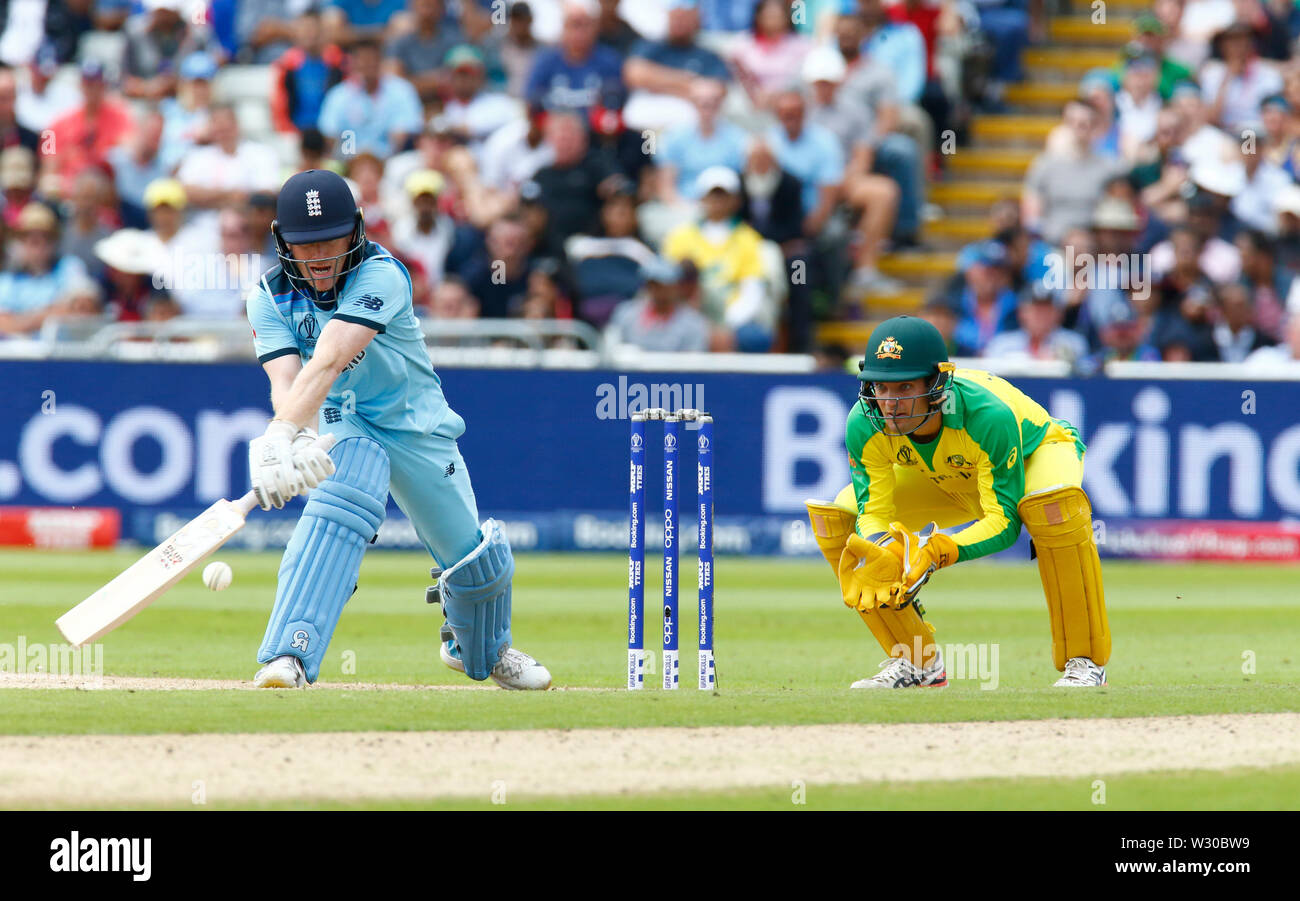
x=217 y=575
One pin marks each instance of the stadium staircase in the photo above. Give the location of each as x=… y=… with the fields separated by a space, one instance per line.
x=992 y=166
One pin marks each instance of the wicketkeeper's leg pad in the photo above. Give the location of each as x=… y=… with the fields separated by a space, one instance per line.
x=476 y=601
x=831 y=526
x=1059 y=520
x=318 y=572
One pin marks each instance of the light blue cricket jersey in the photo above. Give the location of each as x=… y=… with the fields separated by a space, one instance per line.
x=392 y=384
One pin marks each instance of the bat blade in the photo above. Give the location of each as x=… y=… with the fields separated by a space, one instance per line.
x=144 y=581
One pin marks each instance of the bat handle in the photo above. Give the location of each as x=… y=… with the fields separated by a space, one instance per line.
x=246 y=504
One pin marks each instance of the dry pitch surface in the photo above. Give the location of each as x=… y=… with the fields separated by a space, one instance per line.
x=164 y=769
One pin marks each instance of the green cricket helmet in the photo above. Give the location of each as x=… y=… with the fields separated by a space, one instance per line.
x=899 y=350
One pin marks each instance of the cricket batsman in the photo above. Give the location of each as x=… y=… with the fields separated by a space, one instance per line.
x=933 y=447
x=335 y=331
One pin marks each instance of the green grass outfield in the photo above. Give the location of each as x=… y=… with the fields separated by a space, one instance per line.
x=1188 y=639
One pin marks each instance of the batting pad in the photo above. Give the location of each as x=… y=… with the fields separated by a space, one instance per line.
x=1060 y=522
x=320 y=565
x=476 y=601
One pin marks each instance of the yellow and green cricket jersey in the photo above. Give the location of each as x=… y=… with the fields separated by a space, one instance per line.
x=978 y=459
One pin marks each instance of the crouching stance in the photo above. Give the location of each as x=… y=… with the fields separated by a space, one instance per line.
x=336 y=334
x=933 y=447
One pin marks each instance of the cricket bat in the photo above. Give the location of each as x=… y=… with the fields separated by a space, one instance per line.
x=149 y=577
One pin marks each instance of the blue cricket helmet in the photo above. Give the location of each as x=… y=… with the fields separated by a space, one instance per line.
x=317 y=205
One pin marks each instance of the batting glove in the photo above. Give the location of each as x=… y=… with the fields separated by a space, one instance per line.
x=270 y=465
x=311 y=459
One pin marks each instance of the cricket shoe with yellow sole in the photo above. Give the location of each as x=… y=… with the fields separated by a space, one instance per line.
x=515 y=671
x=1080 y=672
x=284 y=671
x=899 y=672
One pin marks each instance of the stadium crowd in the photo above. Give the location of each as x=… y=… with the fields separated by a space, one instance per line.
x=684 y=174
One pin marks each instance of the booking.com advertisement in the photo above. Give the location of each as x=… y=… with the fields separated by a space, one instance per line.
x=148 y=446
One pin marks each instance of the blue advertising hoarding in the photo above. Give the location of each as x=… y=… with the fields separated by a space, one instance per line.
x=547 y=450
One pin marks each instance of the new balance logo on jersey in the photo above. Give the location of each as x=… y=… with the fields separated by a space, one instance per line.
x=313 y=203
x=451 y=471
x=370 y=302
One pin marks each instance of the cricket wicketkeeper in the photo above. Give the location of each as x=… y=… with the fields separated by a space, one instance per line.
x=335 y=331
x=933 y=447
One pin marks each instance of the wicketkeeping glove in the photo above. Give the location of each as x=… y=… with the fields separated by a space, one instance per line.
x=270 y=465
x=922 y=553
x=867 y=571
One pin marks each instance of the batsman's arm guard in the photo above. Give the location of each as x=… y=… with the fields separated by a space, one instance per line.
x=476 y=601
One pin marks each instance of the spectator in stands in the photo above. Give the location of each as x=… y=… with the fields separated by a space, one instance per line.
x=364 y=173
x=729 y=254
x=866 y=93
x=90 y=217
x=1040 y=335
x=42 y=99
x=605 y=265
x=259 y=213
x=267 y=29
x=770 y=56
x=1235 y=334
x=1153 y=38
x=1255 y=205
x=1063 y=186
x=934 y=20
x=547 y=296
x=899 y=48
x=110 y=15
x=226 y=171
x=1284 y=354
x=657 y=318
x=303 y=74
x=136 y=163
x=943 y=316
x=578 y=75
x=83 y=137
x=660 y=73
x=452 y=300
x=833 y=109
x=313 y=152
x=476 y=112
x=420 y=55
x=1007 y=25
x=1282 y=147
x=133 y=264
x=614 y=31
x=516 y=151
x=1268 y=282
x=986 y=305
x=575 y=184
x=42 y=283
x=156 y=42
x=518 y=48
x=687 y=150
x=379 y=112
x=499 y=280
x=12 y=133
x=227 y=271
x=348 y=22
x=1121 y=329
x=425 y=235
x=17 y=181
x=811 y=154
x=187 y=116
x=1138 y=105
x=1234 y=86
x=65 y=22
x=1182 y=296
x=1097 y=88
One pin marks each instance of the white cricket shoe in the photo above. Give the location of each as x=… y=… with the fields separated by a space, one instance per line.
x=899 y=672
x=515 y=671
x=1080 y=672
x=284 y=671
